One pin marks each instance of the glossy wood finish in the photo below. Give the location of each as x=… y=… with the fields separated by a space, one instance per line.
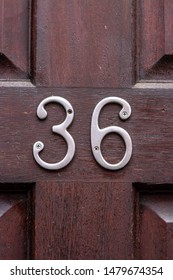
x=85 y=51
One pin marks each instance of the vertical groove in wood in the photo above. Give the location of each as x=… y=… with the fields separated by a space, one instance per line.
x=1 y=24
x=33 y=39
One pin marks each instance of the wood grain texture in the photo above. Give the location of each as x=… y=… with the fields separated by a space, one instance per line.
x=150 y=127
x=84 y=51
x=14 y=37
x=155 y=225
x=151 y=33
x=80 y=220
x=154 y=39
x=168 y=10
x=15 y=234
x=82 y=43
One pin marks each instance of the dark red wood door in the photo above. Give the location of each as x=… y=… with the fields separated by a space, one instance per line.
x=85 y=51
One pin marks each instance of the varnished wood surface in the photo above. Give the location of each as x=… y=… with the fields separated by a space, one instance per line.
x=150 y=127
x=85 y=51
x=14 y=36
x=154 y=40
x=15 y=222
x=168 y=8
x=81 y=220
x=155 y=225
x=67 y=230
x=150 y=34
x=83 y=43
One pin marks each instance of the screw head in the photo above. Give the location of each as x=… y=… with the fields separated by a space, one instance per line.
x=38 y=145
x=125 y=113
x=96 y=148
x=69 y=111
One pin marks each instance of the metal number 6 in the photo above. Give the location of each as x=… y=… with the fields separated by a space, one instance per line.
x=59 y=129
x=98 y=134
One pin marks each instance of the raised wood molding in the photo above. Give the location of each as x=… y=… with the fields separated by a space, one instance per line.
x=15 y=19
x=15 y=221
x=154 y=227
x=154 y=40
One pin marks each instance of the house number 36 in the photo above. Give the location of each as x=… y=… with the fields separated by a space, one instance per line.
x=97 y=134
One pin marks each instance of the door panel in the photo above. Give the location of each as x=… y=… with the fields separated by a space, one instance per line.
x=82 y=220
x=85 y=51
x=16 y=213
x=83 y=43
x=154 y=222
x=14 y=41
x=154 y=40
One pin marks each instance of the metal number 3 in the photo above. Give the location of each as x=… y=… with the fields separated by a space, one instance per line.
x=98 y=134
x=59 y=129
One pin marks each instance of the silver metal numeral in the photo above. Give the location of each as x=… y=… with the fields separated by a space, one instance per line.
x=59 y=129
x=98 y=134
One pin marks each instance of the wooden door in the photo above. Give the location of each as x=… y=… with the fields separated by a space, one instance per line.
x=84 y=51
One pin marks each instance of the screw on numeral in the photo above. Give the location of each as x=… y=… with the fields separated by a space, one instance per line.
x=69 y=111
x=125 y=113
x=96 y=148
x=38 y=146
